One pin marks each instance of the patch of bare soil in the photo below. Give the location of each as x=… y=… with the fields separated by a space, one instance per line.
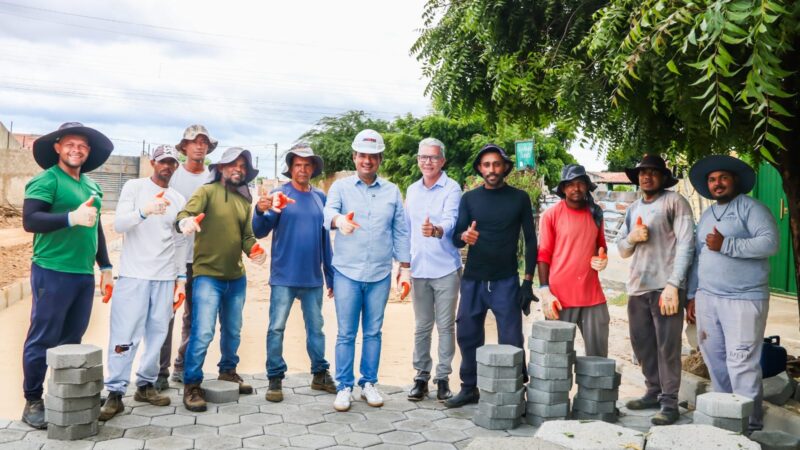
x=10 y=217
x=15 y=263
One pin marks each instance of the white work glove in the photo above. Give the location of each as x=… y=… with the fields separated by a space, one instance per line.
x=106 y=284
x=180 y=294
x=345 y=224
x=668 y=301
x=550 y=304
x=639 y=232
x=84 y=215
x=157 y=206
x=188 y=226
x=403 y=277
x=259 y=258
x=600 y=261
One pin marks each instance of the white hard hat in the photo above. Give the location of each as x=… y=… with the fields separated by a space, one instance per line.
x=368 y=141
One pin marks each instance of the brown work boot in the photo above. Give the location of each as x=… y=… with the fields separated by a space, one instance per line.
x=322 y=381
x=194 y=398
x=231 y=375
x=112 y=406
x=149 y=394
x=275 y=390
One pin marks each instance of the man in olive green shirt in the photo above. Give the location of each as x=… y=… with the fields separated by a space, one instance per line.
x=219 y=214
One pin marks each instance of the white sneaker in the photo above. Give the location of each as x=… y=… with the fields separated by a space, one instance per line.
x=371 y=395
x=343 y=399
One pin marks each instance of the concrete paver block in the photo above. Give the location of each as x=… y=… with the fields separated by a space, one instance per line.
x=71 y=404
x=592 y=434
x=548 y=398
x=553 y=359
x=542 y=410
x=593 y=407
x=500 y=412
x=545 y=346
x=779 y=389
x=696 y=436
x=719 y=404
x=598 y=395
x=77 y=376
x=502 y=398
x=550 y=385
x=74 y=356
x=89 y=389
x=72 y=432
x=776 y=440
x=500 y=384
x=495 y=424
x=553 y=330
x=595 y=366
x=549 y=373
x=499 y=371
x=735 y=425
x=692 y=386
x=72 y=417
x=605 y=417
x=537 y=421
x=218 y=391
x=512 y=443
x=499 y=355
x=611 y=382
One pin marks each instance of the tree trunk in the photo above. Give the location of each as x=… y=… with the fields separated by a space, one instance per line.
x=789 y=168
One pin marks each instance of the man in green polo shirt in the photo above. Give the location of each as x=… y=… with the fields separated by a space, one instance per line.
x=61 y=208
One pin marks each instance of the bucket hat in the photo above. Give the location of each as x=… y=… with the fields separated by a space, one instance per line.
x=230 y=156
x=303 y=151
x=368 y=141
x=698 y=174
x=652 y=162
x=191 y=132
x=489 y=148
x=571 y=172
x=100 y=146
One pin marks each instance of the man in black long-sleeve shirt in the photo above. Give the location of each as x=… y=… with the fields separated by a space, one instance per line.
x=490 y=218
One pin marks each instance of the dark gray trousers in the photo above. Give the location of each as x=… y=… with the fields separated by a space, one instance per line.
x=593 y=322
x=656 y=342
x=186 y=328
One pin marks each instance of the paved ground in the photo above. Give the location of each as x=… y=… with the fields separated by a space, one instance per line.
x=305 y=419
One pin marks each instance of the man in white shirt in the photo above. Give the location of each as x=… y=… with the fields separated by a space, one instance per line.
x=152 y=281
x=196 y=144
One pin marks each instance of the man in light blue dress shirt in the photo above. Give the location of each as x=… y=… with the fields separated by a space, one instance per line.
x=431 y=211
x=367 y=213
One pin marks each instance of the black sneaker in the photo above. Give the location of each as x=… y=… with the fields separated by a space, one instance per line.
x=465 y=397
x=33 y=414
x=667 y=416
x=443 y=390
x=419 y=391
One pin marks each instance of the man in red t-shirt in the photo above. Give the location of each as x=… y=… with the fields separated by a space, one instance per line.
x=572 y=250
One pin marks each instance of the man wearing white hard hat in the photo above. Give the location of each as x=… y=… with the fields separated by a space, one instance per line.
x=367 y=213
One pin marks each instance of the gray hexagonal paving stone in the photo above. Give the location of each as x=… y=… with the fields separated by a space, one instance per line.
x=67 y=445
x=4 y=423
x=483 y=432
x=461 y=445
x=266 y=442
x=36 y=436
x=241 y=430
x=390 y=447
x=261 y=419
x=218 y=443
x=298 y=399
x=128 y=421
x=399 y=405
x=306 y=390
x=303 y=418
x=523 y=430
x=389 y=389
x=322 y=408
x=432 y=405
x=296 y=380
x=402 y=438
x=21 y=445
x=169 y=443
x=106 y=432
x=7 y=435
x=255 y=400
x=194 y=431
x=329 y=429
x=314 y=441
x=172 y=420
x=373 y=426
x=344 y=417
x=460 y=413
x=19 y=425
x=147 y=432
x=285 y=430
x=153 y=411
x=238 y=409
x=448 y=436
x=342 y=447
x=425 y=414
x=433 y=446
x=414 y=425
x=210 y=409
x=386 y=416
x=358 y=440
x=217 y=419
x=452 y=423
x=279 y=408
x=120 y=444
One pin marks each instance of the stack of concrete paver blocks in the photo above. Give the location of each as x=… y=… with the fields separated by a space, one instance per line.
x=728 y=411
x=552 y=356
x=501 y=387
x=598 y=389
x=72 y=403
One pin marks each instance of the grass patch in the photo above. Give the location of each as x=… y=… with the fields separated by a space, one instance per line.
x=620 y=300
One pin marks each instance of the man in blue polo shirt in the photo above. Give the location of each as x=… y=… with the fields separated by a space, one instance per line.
x=301 y=255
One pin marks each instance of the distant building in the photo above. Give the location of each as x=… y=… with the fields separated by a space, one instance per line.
x=26 y=140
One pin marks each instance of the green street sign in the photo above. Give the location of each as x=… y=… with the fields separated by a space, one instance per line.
x=524 y=152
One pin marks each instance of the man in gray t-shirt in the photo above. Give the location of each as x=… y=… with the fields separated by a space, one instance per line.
x=658 y=234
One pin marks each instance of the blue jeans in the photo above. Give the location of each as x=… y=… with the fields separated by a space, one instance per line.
x=364 y=301
x=280 y=304
x=212 y=297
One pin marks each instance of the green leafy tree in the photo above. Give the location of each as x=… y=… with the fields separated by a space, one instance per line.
x=684 y=79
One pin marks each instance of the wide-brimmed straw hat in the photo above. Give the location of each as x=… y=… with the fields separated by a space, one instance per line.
x=100 y=146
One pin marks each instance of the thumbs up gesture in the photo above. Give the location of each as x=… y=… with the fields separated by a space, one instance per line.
x=600 y=261
x=714 y=240
x=639 y=233
x=84 y=215
x=427 y=227
x=470 y=236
